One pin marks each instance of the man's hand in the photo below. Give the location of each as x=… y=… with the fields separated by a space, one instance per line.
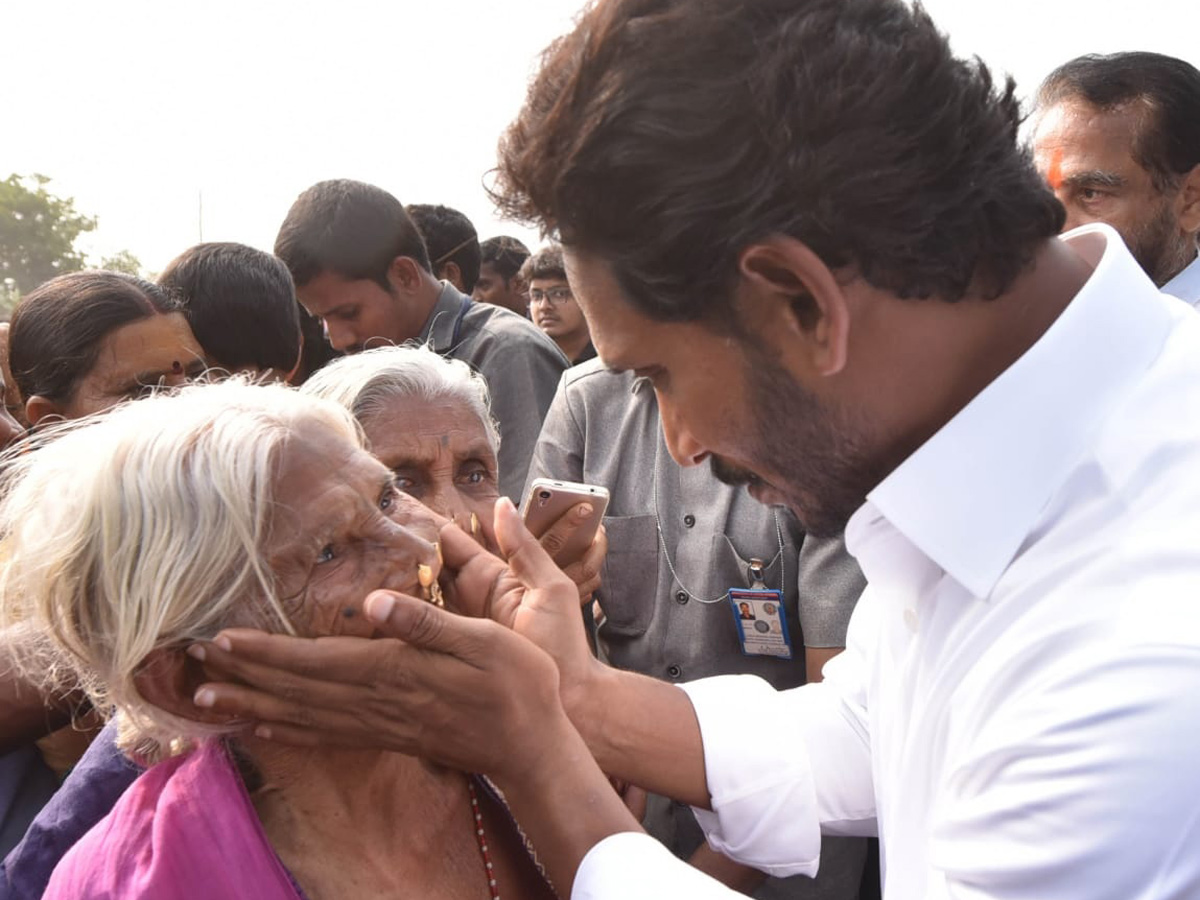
x=428 y=671
x=584 y=570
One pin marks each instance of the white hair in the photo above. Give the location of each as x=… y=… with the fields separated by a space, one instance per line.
x=365 y=382
x=145 y=528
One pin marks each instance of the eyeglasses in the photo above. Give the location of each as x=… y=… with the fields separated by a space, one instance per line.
x=558 y=296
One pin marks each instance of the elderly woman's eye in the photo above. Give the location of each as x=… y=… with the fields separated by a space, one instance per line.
x=388 y=498
x=326 y=555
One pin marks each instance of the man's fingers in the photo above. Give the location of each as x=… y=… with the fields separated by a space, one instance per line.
x=525 y=555
x=255 y=656
x=560 y=532
x=424 y=625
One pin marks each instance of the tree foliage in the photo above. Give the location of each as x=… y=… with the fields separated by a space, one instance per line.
x=37 y=233
x=122 y=261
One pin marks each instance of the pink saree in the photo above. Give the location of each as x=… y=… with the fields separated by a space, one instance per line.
x=185 y=830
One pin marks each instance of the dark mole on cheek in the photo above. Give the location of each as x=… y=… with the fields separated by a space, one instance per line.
x=349 y=612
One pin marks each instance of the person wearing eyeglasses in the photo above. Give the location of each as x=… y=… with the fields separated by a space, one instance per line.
x=552 y=306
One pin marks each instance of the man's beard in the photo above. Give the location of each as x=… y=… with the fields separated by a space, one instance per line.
x=818 y=457
x=1159 y=247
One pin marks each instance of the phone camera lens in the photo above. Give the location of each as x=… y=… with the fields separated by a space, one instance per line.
x=544 y=495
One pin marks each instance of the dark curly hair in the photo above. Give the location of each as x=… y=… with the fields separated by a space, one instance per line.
x=667 y=135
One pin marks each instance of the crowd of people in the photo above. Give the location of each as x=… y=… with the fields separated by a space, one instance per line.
x=897 y=412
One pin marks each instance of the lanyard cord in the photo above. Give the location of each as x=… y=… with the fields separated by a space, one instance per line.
x=667 y=553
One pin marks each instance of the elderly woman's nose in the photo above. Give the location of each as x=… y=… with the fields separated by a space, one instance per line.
x=445 y=500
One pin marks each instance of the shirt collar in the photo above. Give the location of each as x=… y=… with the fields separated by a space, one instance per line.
x=438 y=332
x=1186 y=285
x=970 y=495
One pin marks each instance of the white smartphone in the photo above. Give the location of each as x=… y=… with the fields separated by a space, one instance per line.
x=549 y=499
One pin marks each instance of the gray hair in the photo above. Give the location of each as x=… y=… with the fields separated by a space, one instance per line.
x=145 y=528
x=365 y=382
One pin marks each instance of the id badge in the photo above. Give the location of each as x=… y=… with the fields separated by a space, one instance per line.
x=762 y=625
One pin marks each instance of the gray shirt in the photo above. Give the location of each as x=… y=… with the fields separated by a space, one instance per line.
x=521 y=365
x=666 y=612
x=664 y=601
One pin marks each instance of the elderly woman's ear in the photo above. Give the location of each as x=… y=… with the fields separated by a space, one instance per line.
x=168 y=678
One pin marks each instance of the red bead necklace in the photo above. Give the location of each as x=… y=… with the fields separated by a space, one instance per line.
x=481 y=839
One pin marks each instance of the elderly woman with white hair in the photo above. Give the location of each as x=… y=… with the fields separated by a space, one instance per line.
x=168 y=520
x=428 y=419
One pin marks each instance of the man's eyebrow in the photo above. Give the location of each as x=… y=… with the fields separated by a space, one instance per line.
x=1094 y=178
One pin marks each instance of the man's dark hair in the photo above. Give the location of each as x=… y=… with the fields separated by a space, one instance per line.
x=667 y=135
x=546 y=263
x=240 y=303
x=450 y=238
x=349 y=228
x=57 y=329
x=1168 y=143
x=505 y=254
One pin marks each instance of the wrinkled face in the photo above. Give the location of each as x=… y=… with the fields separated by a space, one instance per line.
x=341 y=530
x=440 y=454
x=158 y=351
x=1087 y=158
x=553 y=308
x=494 y=288
x=357 y=313
x=728 y=400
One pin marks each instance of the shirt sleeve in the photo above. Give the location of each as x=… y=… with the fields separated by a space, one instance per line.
x=634 y=866
x=559 y=450
x=830 y=585
x=785 y=766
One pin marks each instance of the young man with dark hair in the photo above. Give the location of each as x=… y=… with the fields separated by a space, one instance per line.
x=452 y=243
x=812 y=229
x=241 y=305
x=552 y=306
x=361 y=266
x=499 y=281
x=1118 y=139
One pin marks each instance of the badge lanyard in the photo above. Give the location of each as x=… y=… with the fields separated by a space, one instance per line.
x=755 y=573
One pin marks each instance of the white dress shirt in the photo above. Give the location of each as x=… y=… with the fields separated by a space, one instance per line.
x=1017 y=713
x=1186 y=285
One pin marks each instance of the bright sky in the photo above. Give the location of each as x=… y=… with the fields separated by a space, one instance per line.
x=136 y=108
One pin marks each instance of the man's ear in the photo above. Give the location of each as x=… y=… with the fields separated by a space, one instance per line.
x=803 y=300
x=453 y=274
x=1189 y=198
x=168 y=678
x=405 y=274
x=38 y=407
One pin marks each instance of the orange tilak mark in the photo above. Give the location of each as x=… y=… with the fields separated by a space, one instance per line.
x=1054 y=173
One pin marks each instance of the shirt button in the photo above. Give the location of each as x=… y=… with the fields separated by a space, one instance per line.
x=910 y=620
x=689 y=520
x=674 y=671
x=681 y=597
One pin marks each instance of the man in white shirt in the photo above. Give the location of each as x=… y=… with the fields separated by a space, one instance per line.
x=1118 y=139
x=812 y=230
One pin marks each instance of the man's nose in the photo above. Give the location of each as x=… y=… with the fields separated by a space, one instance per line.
x=341 y=337
x=10 y=430
x=683 y=447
